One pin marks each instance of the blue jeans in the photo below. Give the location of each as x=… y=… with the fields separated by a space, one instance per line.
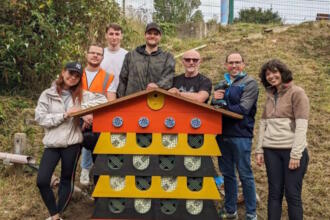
x=236 y=154
x=86 y=159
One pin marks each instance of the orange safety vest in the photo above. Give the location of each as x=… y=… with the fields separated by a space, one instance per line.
x=100 y=83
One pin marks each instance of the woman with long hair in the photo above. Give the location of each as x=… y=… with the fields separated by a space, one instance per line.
x=282 y=139
x=63 y=136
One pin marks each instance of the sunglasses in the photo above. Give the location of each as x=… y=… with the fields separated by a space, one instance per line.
x=188 y=60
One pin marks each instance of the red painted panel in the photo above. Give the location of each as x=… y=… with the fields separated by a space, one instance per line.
x=182 y=112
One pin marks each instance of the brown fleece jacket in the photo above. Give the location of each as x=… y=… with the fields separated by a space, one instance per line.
x=284 y=120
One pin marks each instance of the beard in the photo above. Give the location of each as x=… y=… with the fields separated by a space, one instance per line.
x=152 y=45
x=94 y=65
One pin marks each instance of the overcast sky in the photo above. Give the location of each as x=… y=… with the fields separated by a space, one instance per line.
x=292 y=11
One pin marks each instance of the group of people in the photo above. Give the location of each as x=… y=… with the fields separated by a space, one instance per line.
x=113 y=72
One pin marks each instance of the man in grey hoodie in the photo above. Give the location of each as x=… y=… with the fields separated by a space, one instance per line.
x=148 y=66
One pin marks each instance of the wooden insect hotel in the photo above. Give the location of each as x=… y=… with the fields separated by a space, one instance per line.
x=154 y=157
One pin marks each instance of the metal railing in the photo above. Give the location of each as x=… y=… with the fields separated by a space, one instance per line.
x=291 y=11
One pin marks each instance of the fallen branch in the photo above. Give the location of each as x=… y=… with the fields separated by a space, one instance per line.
x=16 y=158
x=196 y=48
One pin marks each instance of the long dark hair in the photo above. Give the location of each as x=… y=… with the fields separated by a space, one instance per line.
x=273 y=66
x=76 y=91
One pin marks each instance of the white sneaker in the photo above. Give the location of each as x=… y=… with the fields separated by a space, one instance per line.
x=84 y=177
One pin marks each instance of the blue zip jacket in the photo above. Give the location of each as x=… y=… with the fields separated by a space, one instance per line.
x=241 y=97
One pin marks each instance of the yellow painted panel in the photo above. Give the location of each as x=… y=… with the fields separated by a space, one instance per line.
x=209 y=190
x=156 y=100
x=209 y=148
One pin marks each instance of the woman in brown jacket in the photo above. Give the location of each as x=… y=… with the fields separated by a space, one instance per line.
x=282 y=139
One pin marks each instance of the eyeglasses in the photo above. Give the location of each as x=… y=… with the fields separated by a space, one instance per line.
x=234 y=62
x=188 y=60
x=96 y=53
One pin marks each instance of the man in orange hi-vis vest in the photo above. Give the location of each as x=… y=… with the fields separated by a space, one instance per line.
x=97 y=80
x=94 y=78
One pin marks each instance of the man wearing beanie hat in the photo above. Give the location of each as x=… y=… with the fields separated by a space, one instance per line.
x=148 y=66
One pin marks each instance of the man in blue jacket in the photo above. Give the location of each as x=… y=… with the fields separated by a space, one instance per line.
x=235 y=142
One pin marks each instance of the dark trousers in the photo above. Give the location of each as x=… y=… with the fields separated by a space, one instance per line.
x=282 y=180
x=69 y=157
x=90 y=140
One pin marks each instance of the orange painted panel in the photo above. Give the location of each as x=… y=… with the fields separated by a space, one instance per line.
x=182 y=112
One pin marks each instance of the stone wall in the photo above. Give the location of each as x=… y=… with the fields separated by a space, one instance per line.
x=196 y=30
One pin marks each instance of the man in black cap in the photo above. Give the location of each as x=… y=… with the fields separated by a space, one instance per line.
x=148 y=66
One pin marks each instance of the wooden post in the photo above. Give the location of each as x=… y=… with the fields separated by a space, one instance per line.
x=19 y=143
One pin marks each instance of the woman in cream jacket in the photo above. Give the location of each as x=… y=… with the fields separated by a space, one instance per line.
x=63 y=136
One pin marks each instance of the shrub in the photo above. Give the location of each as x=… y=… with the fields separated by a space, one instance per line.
x=252 y=15
x=39 y=36
x=168 y=29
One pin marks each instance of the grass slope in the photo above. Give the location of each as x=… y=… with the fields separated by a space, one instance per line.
x=306 y=50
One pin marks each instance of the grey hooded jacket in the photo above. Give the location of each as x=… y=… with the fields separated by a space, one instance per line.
x=140 y=68
x=49 y=113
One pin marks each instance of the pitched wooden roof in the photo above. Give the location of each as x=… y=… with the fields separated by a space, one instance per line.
x=144 y=92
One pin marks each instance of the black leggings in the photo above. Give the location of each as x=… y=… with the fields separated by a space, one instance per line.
x=69 y=157
x=282 y=180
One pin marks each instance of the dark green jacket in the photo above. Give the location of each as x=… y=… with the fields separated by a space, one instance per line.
x=140 y=68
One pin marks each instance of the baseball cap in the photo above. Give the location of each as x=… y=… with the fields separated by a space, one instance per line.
x=74 y=66
x=153 y=26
